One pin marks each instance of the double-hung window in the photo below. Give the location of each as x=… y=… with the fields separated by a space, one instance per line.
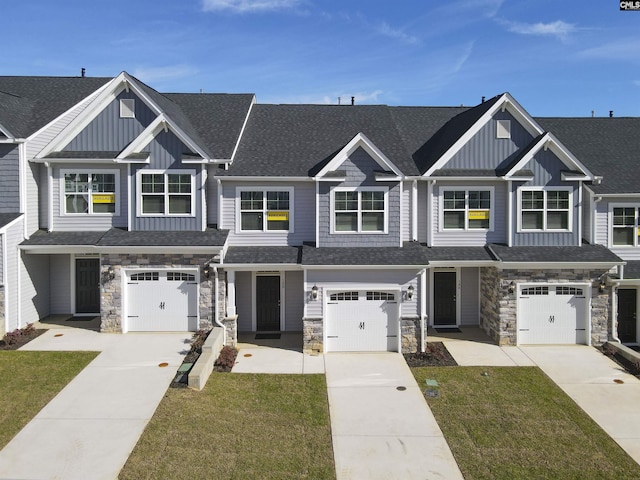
x=625 y=226
x=466 y=209
x=89 y=192
x=360 y=211
x=265 y=209
x=166 y=193
x=548 y=209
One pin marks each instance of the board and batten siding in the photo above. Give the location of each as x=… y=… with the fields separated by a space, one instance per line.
x=60 y=284
x=13 y=237
x=294 y=300
x=371 y=279
x=244 y=301
x=303 y=215
x=487 y=152
x=9 y=178
x=95 y=222
x=166 y=154
x=547 y=172
x=471 y=237
x=469 y=296
x=110 y=133
x=359 y=171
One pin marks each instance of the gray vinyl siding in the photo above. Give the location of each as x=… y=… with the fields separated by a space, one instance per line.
x=33 y=182
x=360 y=169
x=587 y=215
x=60 y=284
x=110 y=133
x=42 y=139
x=304 y=209
x=423 y=213
x=34 y=288
x=485 y=151
x=547 y=171
x=72 y=222
x=13 y=239
x=602 y=223
x=498 y=234
x=244 y=301
x=166 y=153
x=604 y=219
x=212 y=198
x=406 y=211
x=356 y=279
x=9 y=179
x=469 y=296
x=294 y=301
x=43 y=198
x=1 y=262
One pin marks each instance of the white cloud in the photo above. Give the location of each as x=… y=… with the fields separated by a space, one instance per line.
x=247 y=6
x=385 y=29
x=614 y=51
x=157 y=74
x=557 y=29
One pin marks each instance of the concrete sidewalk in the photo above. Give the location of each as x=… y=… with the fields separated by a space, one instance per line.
x=89 y=429
x=381 y=425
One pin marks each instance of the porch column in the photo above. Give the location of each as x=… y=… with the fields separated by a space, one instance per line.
x=231 y=293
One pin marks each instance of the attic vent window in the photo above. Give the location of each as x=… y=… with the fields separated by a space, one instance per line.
x=127 y=108
x=503 y=128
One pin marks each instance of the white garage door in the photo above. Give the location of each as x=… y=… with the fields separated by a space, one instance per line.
x=552 y=314
x=162 y=301
x=362 y=321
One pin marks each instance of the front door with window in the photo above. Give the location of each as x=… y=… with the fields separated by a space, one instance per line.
x=627 y=325
x=444 y=299
x=267 y=303
x=87 y=285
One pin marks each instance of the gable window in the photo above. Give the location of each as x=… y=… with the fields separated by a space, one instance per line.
x=466 y=209
x=503 y=129
x=360 y=211
x=265 y=209
x=166 y=193
x=127 y=108
x=89 y=192
x=625 y=226
x=548 y=209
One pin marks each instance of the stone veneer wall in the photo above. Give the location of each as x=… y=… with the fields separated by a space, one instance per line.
x=498 y=307
x=111 y=291
x=2 y=327
x=312 y=335
x=410 y=332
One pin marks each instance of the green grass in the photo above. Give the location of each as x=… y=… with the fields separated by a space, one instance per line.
x=516 y=423
x=241 y=426
x=29 y=380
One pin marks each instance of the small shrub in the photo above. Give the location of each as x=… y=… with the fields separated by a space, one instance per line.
x=12 y=338
x=198 y=339
x=226 y=359
x=29 y=329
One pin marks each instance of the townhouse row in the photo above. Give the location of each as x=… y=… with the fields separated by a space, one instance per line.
x=359 y=226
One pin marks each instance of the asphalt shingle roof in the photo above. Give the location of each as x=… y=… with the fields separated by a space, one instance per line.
x=6 y=218
x=410 y=254
x=263 y=255
x=632 y=269
x=44 y=238
x=552 y=254
x=443 y=254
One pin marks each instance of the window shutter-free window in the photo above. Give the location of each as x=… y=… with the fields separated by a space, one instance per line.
x=89 y=192
x=265 y=210
x=167 y=193
x=624 y=226
x=359 y=211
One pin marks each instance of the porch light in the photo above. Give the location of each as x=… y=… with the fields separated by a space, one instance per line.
x=602 y=285
x=314 y=292
x=410 y=292
x=207 y=270
x=512 y=287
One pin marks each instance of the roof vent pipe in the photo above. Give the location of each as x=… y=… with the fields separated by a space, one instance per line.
x=82 y=72
x=353 y=101
x=483 y=97
x=610 y=113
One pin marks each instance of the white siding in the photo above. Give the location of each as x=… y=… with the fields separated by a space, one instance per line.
x=32 y=181
x=212 y=198
x=423 y=214
x=469 y=296
x=60 y=283
x=34 y=288
x=405 y=233
x=13 y=238
x=602 y=220
x=294 y=301
x=244 y=301
x=43 y=198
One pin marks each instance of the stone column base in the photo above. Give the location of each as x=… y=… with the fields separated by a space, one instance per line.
x=312 y=336
x=231 y=328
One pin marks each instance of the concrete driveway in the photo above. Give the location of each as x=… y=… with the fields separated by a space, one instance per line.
x=381 y=424
x=89 y=429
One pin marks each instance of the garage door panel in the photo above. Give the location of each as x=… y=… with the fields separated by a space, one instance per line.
x=362 y=321
x=552 y=315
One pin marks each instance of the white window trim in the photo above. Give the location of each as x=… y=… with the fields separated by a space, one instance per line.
x=466 y=189
x=544 y=216
x=89 y=171
x=262 y=189
x=127 y=108
x=503 y=129
x=636 y=241
x=165 y=173
x=332 y=209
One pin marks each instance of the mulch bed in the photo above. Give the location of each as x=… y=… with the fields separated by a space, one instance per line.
x=22 y=340
x=435 y=355
x=630 y=367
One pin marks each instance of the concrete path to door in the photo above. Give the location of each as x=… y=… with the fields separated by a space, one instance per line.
x=381 y=424
x=89 y=429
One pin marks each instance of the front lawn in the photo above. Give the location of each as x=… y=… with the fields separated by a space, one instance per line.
x=240 y=426
x=515 y=423
x=29 y=380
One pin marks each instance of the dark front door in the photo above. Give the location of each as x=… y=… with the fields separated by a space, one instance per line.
x=627 y=315
x=444 y=299
x=267 y=303
x=87 y=285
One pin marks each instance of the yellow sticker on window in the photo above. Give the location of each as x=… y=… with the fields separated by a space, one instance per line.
x=277 y=216
x=478 y=214
x=104 y=198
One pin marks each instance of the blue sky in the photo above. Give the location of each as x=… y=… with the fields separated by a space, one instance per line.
x=558 y=58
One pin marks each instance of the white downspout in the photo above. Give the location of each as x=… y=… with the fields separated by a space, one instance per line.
x=215 y=307
x=509 y=214
x=423 y=308
x=430 y=185
x=414 y=211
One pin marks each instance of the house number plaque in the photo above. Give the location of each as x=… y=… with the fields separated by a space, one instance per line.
x=552 y=318
x=361 y=325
